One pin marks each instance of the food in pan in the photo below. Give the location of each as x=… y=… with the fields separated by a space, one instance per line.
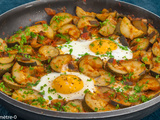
x=91 y=62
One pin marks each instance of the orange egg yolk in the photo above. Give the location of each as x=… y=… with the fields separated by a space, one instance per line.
x=102 y=46
x=67 y=84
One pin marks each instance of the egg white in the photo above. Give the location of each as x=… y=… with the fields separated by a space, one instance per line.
x=47 y=79
x=80 y=47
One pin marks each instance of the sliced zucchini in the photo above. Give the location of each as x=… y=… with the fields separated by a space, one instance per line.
x=115 y=67
x=70 y=29
x=140 y=44
x=9 y=82
x=128 y=30
x=30 y=62
x=7 y=59
x=5 y=68
x=140 y=25
x=155 y=71
x=87 y=22
x=152 y=94
x=90 y=65
x=74 y=106
x=104 y=79
x=59 y=20
x=134 y=67
x=22 y=75
x=61 y=39
x=156 y=49
x=5 y=89
x=121 y=100
x=146 y=57
x=149 y=84
x=59 y=63
x=152 y=34
x=117 y=30
x=97 y=102
x=48 y=51
x=108 y=26
x=25 y=95
x=104 y=16
x=81 y=13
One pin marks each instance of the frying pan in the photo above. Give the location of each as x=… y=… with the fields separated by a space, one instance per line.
x=30 y=13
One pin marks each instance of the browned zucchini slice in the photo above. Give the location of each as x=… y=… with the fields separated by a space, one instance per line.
x=117 y=30
x=7 y=59
x=58 y=63
x=134 y=67
x=104 y=16
x=97 y=102
x=151 y=94
x=108 y=26
x=140 y=25
x=74 y=106
x=80 y=13
x=22 y=74
x=9 y=82
x=48 y=51
x=128 y=30
x=90 y=66
x=104 y=79
x=25 y=94
x=5 y=68
x=149 y=84
x=155 y=71
x=5 y=89
x=115 y=67
x=139 y=44
x=121 y=100
x=147 y=58
x=156 y=49
x=152 y=34
x=30 y=62
x=61 y=38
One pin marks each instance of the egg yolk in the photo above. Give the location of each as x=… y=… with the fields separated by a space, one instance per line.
x=102 y=46
x=67 y=84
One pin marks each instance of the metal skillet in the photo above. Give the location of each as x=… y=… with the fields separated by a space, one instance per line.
x=13 y=19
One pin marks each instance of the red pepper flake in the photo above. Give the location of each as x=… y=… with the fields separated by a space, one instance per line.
x=3 y=33
x=50 y=11
x=63 y=9
x=20 y=27
x=29 y=19
x=41 y=22
x=119 y=4
x=85 y=36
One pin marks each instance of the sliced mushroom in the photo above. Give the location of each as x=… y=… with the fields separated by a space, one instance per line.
x=90 y=66
x=128 y=30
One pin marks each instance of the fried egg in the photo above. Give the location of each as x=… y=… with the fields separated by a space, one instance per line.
x=103 y=48
x=69 y=86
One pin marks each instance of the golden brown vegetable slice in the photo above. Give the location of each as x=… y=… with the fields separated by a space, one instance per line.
x=140 y=25
x=146 y=57
x=25 y=94
x=7 y=59
x=48 y=51
x=9 y=82
x=80 y=13
x=149 y=84
x=87 y=22
x=3 y=45
x=135 y=68
x=5 y=89
x=155 y=71
x=59 y=63
x=90 y=65
x=59 y=20
x=74 y=106
x=152 y=34
x=156 y=49
x=98 y=102
x=104 y=16
x=128 y=30
x=70 y=29
x=5 y=68
x=104 y=79
x=108 y=27
x=121 y=100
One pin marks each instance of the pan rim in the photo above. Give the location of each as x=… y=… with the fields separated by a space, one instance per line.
x=88 y=115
